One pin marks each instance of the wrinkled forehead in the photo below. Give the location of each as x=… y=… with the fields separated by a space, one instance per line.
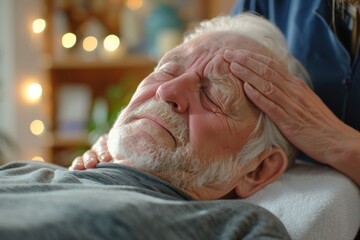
x=215 y=43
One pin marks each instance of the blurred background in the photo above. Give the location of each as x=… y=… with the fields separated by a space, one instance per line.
x=68 y=66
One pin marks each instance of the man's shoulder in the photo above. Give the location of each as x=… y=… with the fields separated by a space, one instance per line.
x=120 y=175
x=24 y=172
x=17 y=168
x=29 y=164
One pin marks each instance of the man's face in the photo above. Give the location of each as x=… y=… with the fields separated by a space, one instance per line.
x=189 y=114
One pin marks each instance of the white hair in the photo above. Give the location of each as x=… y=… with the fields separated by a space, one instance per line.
x=265 y=135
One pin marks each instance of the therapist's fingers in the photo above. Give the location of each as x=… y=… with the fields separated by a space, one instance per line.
x=90 y=159
x=259 y=81
x=101 y=149
x=86 y=161
x=272 y=100
x=271 y=78
x=268 y=71
x=77 y=164
x=98 y=153
x=265 y=105
x=245 y=57
x=286 y=99
x=297 y=111
x=289 y=117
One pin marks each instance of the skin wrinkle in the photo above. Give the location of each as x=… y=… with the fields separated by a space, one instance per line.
x=227 y=87
x=217 y=96
x=219 y=114
x=226 y=95
x=230 y=85
x=201 y=61
x=217 y=155
x=225 y=90
x=214 y=134
x=219 y=75
x=215 y=72
x=176 y=58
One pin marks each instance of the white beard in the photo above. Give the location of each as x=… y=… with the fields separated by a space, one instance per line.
x=182 y=166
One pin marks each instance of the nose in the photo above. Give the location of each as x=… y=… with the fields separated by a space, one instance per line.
x=179 y=91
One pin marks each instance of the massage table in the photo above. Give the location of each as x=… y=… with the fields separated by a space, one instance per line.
x=314 y=202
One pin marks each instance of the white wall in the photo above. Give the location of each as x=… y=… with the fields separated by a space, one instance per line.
x=7 y=88
x=21 y=61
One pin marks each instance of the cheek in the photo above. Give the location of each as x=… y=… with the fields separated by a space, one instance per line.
x=143 y=93
x=214 y=135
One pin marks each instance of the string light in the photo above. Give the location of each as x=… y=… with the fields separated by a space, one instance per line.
x=134 y=4
x=39 y=25
x=34 y=91
x=111 y=43
x=38 y=158
x=37 y=127
x=90 y=43
x=68 y=40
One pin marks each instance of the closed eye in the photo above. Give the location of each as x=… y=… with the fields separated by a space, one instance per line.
x=168 y=72
x=209 y=101
x=171 y=68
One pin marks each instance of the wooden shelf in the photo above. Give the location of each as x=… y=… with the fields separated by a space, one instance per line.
x=127 y=61
x=98 y=75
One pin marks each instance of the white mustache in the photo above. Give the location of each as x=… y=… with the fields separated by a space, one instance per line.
x=164 y=111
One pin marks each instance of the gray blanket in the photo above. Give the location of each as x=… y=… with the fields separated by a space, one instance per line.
x=45 y=201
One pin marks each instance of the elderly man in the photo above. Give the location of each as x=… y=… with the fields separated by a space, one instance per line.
x=189 y=133
x=190 y=123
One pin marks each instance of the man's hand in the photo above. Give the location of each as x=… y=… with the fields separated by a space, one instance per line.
x=98 y=153
x=297 y=111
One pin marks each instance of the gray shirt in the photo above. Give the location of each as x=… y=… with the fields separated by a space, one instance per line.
x=45 y=201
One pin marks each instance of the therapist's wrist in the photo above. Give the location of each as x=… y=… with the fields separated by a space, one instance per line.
x=348 y=161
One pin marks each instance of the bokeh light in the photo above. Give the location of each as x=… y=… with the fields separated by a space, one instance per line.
x=134 y=4
x=38 y=158
x=68 y=40
x=90 y=43
x=37 y=127
x=34 y=91
x=111 y=43
x=39 y=25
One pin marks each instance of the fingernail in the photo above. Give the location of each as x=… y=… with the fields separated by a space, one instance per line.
x=78 y=164
x=229 y=54
x=89 y=160
x=248 y=86
x=103 y=156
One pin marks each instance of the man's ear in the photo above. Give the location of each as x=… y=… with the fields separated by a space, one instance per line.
x=266 y=168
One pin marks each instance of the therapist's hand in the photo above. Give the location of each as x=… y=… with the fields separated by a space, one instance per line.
x=98 y=153
x=297 y=111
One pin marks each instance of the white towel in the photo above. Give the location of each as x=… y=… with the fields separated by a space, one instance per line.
x=313 y=202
